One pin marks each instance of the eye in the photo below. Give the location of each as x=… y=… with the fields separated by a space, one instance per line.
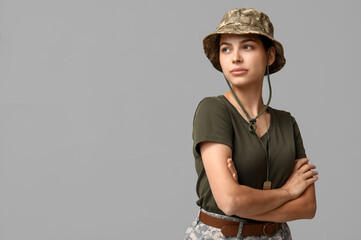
x=247 y=47
x=226 y=50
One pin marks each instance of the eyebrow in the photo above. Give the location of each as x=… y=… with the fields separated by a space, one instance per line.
x=243 y=41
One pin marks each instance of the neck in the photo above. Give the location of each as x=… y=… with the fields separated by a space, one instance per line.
x=250 y=97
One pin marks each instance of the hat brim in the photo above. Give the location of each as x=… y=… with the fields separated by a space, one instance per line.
x=211 y=46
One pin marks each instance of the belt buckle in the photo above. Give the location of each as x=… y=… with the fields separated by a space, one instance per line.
x=264 y=229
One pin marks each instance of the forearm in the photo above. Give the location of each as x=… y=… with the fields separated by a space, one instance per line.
x=232 y=198
x=246 y=202
x=303 y=207
x=243 y=201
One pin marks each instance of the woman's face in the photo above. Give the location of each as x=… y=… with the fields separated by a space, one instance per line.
x=243 y=58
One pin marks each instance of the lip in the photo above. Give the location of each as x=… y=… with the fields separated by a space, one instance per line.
x=238 y=71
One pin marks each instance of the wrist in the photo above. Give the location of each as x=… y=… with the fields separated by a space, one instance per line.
x=288 y=194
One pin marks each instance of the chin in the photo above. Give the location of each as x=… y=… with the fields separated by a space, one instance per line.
x=237 y=80
x=243 y=80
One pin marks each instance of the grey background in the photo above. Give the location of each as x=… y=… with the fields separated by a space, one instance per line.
x=97 y=101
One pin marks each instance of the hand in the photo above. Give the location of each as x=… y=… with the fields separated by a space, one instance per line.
x=301 y=177
x=232 y=169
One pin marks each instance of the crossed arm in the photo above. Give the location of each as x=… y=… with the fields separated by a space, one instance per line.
x=294 y=200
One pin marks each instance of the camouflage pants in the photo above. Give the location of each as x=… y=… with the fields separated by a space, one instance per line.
x=201 y=231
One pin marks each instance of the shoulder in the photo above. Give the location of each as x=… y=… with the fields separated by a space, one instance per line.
x=280 y=112
x=212 y=100
x=212 y=103
x=282 y=115
x=212 y=109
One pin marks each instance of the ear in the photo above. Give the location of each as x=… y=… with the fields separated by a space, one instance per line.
x=272 y=55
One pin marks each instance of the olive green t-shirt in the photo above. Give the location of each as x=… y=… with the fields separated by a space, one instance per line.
x=217 y=120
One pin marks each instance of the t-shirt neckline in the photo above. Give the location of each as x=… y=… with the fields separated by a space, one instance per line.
x=246 y=123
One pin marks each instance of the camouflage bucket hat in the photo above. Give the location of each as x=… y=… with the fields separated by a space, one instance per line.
x=243 y=21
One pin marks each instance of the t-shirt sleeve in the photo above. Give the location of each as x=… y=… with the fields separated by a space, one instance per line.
x=300 y=150
x=212 y=123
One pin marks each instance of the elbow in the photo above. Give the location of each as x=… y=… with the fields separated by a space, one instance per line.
x=230 y=206
x=311 y=210
x=226 y=204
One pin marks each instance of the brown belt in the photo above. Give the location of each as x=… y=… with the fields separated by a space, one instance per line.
x=230 y=228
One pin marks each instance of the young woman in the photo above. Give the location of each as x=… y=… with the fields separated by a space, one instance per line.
x=253 y=174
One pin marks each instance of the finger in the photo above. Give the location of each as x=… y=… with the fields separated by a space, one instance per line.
x=311 y=174
x=229 y=161
x=234 y=168
x=235 y=177
x=312 y=166
x=306 y=167
x=230 y=166
x=233 y=173
x=300 y=162
x=311 y=180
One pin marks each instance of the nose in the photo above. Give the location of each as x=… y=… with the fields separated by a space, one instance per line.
x=236 y=57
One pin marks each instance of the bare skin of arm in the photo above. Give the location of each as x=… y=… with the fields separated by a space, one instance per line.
x=243 y=201
x=303 y=207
